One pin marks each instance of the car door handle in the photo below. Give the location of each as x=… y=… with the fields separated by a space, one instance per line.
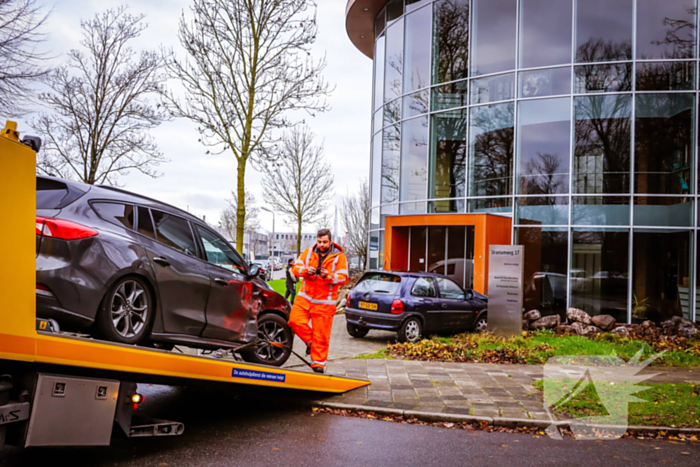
x=444 y=305
x=162 y=261
x=221 y=281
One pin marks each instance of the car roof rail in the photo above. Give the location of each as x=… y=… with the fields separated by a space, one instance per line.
x=136 y=195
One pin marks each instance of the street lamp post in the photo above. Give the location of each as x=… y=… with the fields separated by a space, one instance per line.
x=272 y=239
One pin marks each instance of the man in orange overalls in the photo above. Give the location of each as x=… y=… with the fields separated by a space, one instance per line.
x=323 y=269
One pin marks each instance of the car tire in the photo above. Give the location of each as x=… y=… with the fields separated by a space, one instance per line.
x=274 y=328
x=127 y=311
x=481 y=324
x=357 y=331
x=410 y=331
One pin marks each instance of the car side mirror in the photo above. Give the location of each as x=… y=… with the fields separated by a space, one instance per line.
x=468 y=296
x=254 y=270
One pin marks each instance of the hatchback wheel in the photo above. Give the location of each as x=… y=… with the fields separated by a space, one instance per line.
x=357 y=331
x=481 y=324
x=271 y=328
x=126 y=312
x=410 y=331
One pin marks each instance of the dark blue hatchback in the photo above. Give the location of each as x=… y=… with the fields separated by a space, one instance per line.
x=413 y=304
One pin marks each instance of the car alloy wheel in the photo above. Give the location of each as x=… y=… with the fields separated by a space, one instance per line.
x=412 y=331
x=271 y=331
x=129 y=309
x=481 y=325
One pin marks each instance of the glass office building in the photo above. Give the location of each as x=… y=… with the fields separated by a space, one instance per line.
x=576 y=119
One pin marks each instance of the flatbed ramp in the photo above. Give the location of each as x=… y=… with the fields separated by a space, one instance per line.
x=32 y=357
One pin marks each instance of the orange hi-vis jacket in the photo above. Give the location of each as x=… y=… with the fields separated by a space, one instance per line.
x=318 y=293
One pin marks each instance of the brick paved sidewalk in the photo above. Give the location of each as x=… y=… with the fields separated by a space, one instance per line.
x=488 y=390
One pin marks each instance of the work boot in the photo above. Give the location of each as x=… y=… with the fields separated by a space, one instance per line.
x=308 y=349
x=317 y=369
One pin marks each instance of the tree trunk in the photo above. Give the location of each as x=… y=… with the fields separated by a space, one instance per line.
x=240 y=212
x=298 y=237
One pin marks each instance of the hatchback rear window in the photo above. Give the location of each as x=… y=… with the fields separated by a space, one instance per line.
x=54 y=194
x=379 y=283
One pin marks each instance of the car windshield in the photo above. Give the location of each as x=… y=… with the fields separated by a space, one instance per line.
x=379 y=283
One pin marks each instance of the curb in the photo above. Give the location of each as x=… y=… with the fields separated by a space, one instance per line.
x=495 y=421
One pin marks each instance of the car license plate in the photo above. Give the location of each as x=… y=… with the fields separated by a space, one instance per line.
x=368 y=306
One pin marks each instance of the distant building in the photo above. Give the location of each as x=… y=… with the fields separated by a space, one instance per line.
x=285 y=243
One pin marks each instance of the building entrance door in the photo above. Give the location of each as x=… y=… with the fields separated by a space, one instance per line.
x=447 y=250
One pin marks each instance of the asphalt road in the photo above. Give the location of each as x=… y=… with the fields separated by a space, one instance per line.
x=227 y=430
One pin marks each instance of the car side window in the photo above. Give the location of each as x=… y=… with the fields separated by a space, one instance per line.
x=450 y=290
x=424 y=287
x=145 y=224
x=218 y=252
x=116 y=213
x=174 y=232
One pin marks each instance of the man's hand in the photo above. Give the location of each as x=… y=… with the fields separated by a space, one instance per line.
x=311 y=271
x=323 y=273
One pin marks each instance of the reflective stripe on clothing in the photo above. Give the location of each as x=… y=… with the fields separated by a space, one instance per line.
x=316 y=301
x=318 y=363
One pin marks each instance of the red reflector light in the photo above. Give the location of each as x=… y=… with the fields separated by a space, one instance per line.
x=59 y=228
x=397 y=307
x=42 y=287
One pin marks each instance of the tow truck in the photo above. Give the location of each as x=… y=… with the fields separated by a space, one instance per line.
x=64 y=390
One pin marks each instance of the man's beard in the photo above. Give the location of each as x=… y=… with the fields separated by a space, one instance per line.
x=323 y=250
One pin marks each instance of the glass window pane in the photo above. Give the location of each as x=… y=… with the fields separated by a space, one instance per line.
x=379 y=59
x=379 y=23
x=494 y=36
x=417 y=51
x=490 y=206
x=446 y=206
x=116 y=213
x=449 y=96
x=393 y=69
x=374 y=249
x=378 y=121
x=540 y=83
x=414 y=165
x=145 y=224
x=415 y=4
x=376 y=169
x=424 y=287
x=448 y=158
x=374 y=219
x=493 y=89
x=218 y=252
x=603 y=78
x=449 y=290
x=394 y=10
x=416 y=104
x=381 y=249
x=491 y=150
x=600 y=210
x=666 y=76
x=436 y=249
x=602 y=144
x=545 y=265
x=661 y=274
x=174 y=232
x=456 y=266
x=391 y=153
x=598 y=280
x=542 y=210
x=418 y=248
x=663 y=150
x=663 y=212
x=666 y=28
x=544 y=144
x=603 y=30
x=450 y=40
x=392 y=112
x=545 y=32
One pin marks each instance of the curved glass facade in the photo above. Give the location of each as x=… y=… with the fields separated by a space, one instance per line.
x=576 y=118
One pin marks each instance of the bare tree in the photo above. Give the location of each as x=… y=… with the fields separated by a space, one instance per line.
x=228 y=221
x=248 y=64
x=354 y=212
x=20 y=63
x=325 y=220
x=100 y=115
x=299 y=184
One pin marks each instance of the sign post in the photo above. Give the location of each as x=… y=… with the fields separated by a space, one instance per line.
x=505 y=290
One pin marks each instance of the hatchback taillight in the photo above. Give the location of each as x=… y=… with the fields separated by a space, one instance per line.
x=59 y=228
x=397 y=307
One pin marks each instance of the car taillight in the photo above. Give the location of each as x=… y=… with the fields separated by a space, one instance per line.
x=397 y=307
x=349 y=304
x=43 y=290
x=59 y=228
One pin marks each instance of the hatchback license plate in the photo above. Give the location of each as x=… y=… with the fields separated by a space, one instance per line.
x=15 y=412
x=368 y=306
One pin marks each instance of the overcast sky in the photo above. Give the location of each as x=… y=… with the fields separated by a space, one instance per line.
x=199 y=182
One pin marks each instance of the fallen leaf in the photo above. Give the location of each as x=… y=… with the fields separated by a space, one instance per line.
x=275 y=449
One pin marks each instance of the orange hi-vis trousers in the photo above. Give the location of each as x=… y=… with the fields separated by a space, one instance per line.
x=319 y=336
